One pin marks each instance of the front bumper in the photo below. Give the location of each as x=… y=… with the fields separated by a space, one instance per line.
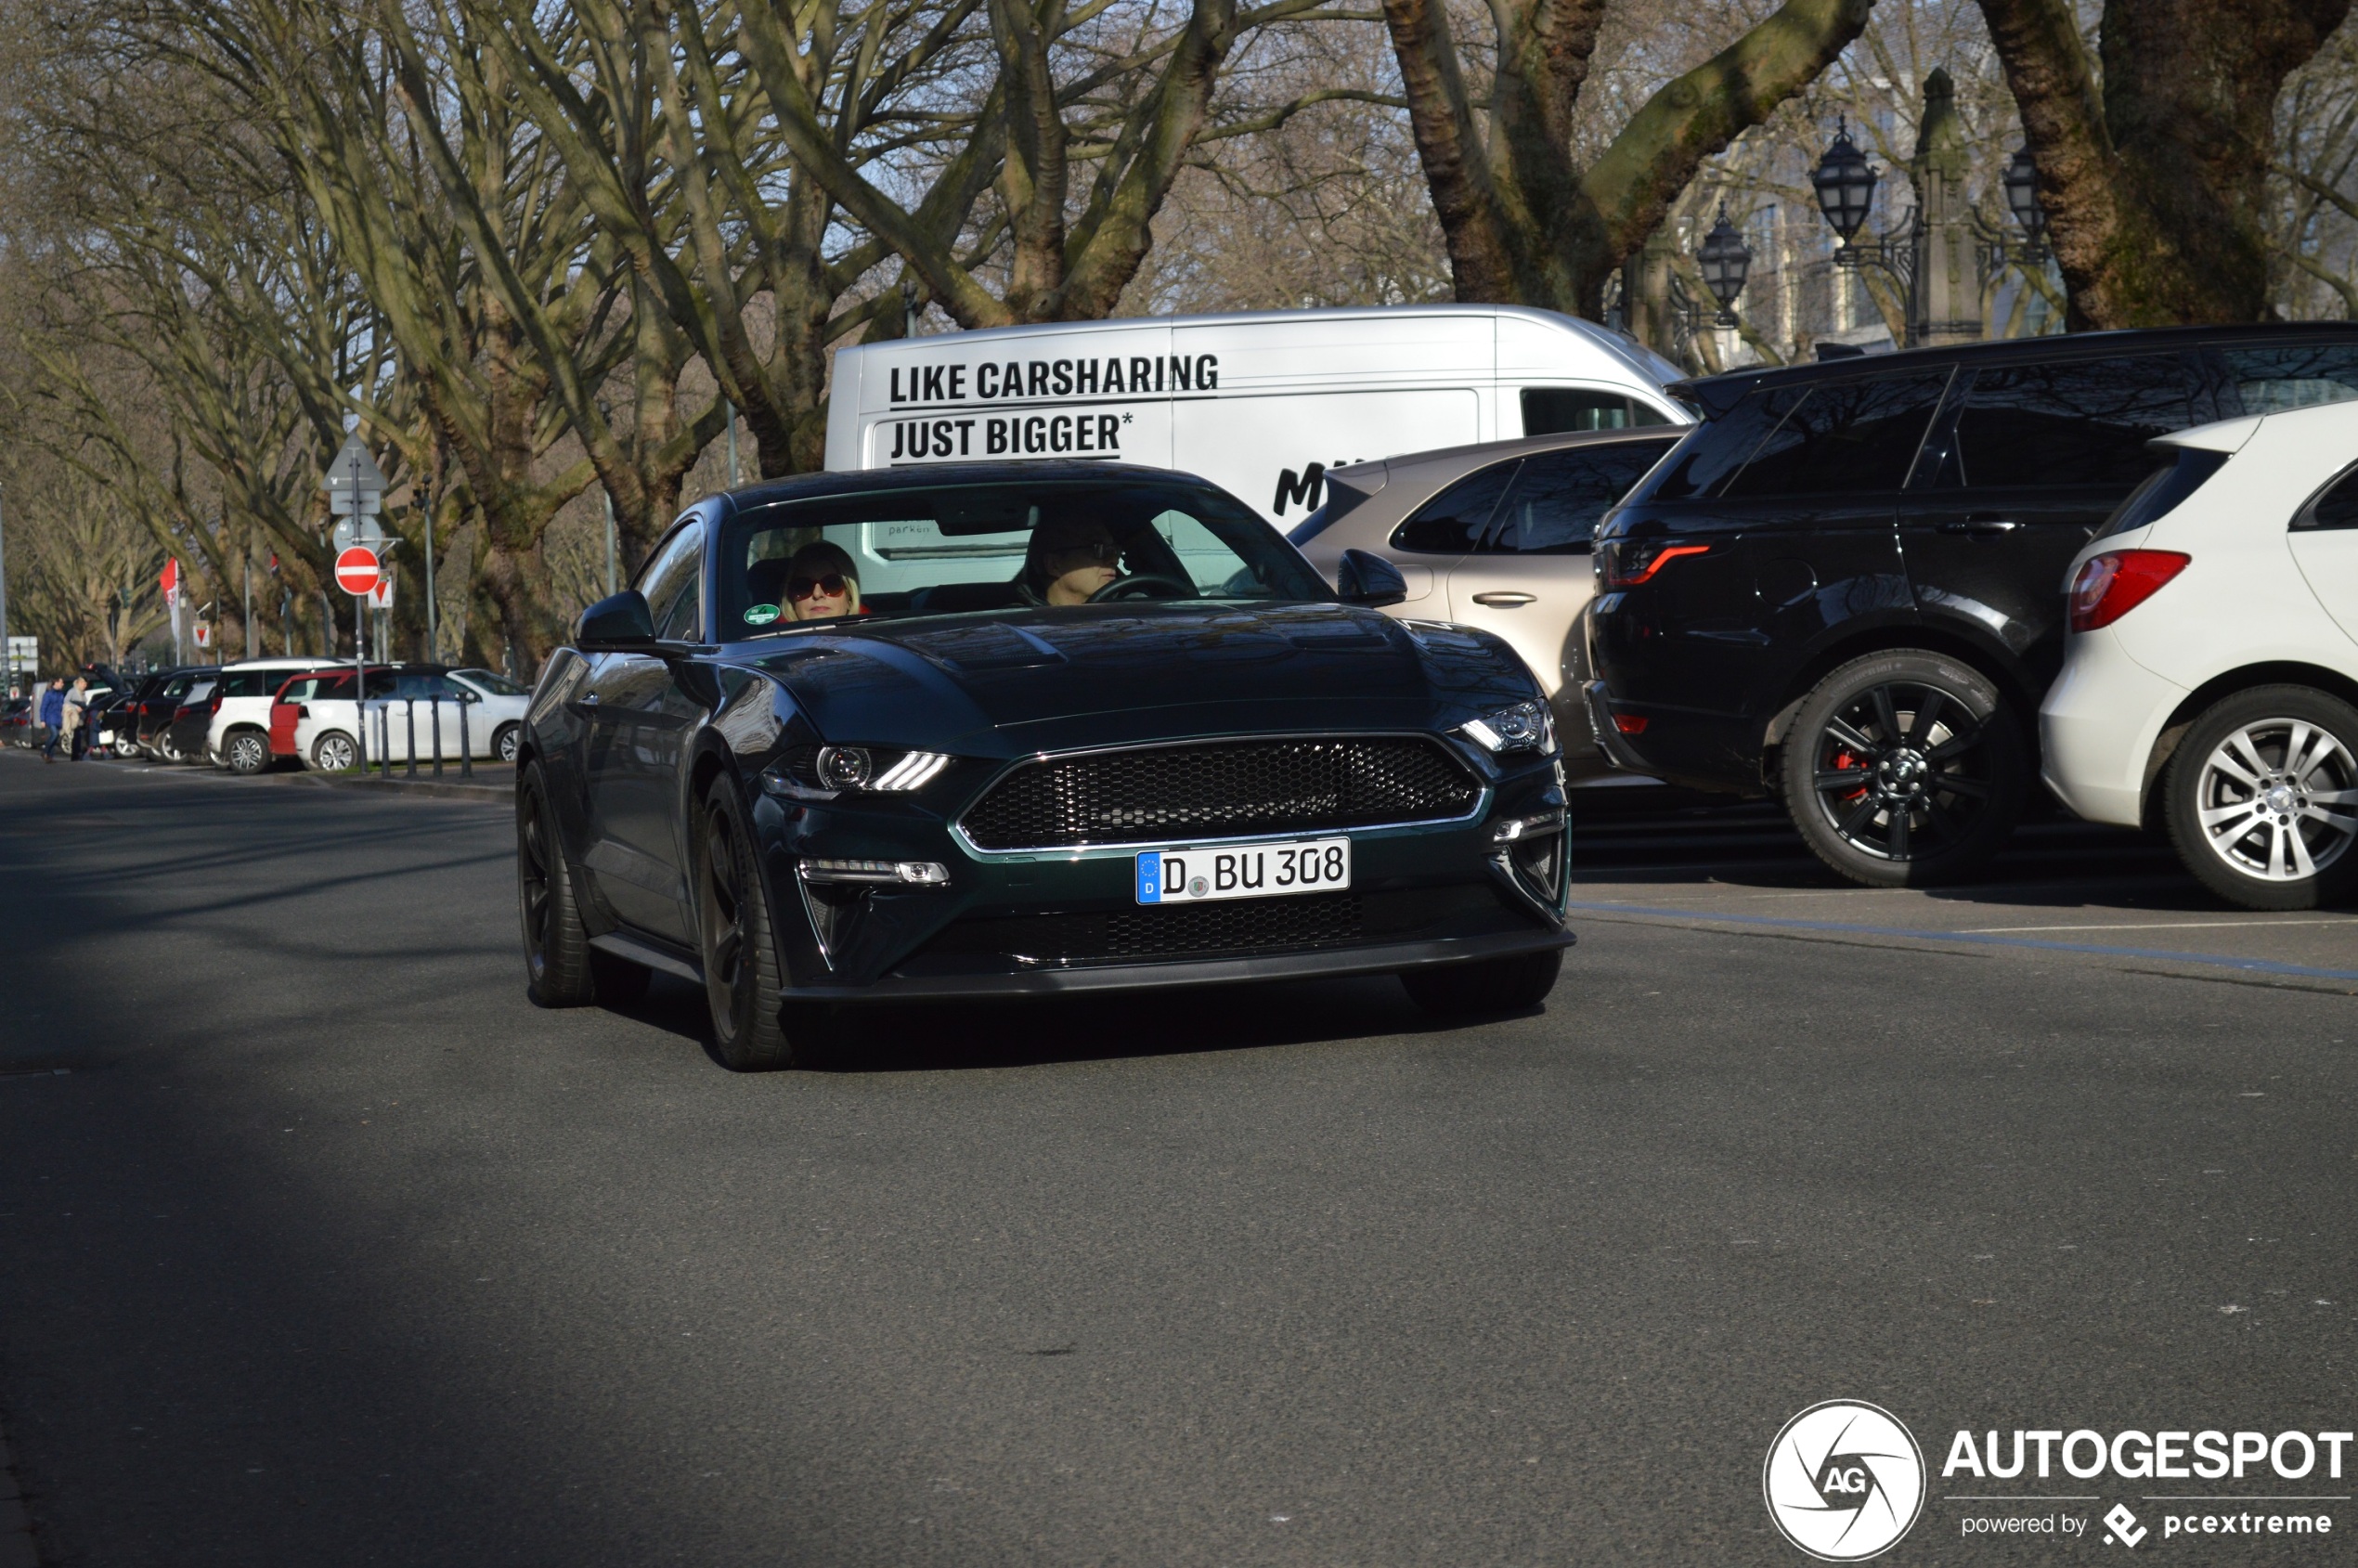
x=1162 y=974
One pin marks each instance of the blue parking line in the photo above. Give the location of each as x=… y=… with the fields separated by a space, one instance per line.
x=2260 y=966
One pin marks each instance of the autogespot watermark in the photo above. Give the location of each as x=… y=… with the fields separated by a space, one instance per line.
x=1845 y=1481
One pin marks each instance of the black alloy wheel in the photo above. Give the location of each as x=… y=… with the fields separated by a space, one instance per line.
x=556 y=947
x=1485 y=987
x=744 y=982
x=560 y=968
x=1905 y=770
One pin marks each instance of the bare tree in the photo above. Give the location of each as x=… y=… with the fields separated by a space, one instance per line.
x=2154 y=148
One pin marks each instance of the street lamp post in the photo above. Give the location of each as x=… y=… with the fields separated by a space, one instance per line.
x=1726 y=262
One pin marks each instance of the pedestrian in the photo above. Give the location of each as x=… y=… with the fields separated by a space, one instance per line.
x=78 y=719
x=53 y=720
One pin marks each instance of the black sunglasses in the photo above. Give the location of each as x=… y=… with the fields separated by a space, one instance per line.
x=803 y=588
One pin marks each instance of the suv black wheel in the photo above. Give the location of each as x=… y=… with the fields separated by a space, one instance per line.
x=2261 y=797
x=1904 y=769
x=753 y=1029
x=1488 y=985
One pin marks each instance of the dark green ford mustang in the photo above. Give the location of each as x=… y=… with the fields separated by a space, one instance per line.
x=1015 y=730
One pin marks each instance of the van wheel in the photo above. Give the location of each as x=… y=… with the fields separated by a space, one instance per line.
x=1905 y=770
x=1485 y=987
x=333 y=752
x=2261 y=797
x=248 y=753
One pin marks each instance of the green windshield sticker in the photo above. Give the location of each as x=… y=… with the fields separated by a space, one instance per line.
x=762 y=614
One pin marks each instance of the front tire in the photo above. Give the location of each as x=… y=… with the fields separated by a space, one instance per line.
x=1905 y=770
x=742 y=980
x=556 y=947
x=2261 y=797
x=1486 y=986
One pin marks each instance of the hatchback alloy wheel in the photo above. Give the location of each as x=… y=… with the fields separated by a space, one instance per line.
x=334 y=753
x=2261 y=797
x=2279 y=799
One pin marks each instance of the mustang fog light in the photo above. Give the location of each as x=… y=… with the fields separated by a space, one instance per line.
x=1531 y=851
x=1525 y=727
x=898 y=874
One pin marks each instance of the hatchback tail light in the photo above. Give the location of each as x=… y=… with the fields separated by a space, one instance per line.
x=2110 y=585
x=1627 y=563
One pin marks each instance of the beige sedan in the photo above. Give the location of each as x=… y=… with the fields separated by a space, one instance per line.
x=1494 y=536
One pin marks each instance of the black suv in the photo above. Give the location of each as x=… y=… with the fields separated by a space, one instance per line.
x=1846 y=588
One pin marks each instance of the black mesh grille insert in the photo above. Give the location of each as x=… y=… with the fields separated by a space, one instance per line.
x=1221 y=791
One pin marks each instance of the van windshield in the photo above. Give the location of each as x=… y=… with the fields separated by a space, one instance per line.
x=958 y=549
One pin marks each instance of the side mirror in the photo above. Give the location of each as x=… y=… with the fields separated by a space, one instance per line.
x=1369 y=579
x=617 y=621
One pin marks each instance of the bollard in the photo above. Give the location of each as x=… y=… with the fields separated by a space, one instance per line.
x=434 y=706
x=466 y=748
x=384 y=742
x=409 y=712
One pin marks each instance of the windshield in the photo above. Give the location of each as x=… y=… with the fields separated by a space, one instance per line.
x=498 y=685
x=956 y=548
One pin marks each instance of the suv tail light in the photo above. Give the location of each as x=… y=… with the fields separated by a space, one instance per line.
x=1627 y=563
x=2111 y=585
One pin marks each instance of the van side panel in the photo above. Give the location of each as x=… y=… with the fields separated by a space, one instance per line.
x=1078 y=391
x=1272 y=451
x=843 y=409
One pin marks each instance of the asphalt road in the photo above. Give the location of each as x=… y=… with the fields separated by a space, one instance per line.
x=325 y=1247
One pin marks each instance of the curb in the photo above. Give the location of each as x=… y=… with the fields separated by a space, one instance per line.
x=445 y=789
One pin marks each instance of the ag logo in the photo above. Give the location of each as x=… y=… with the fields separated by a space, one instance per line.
x=1845 y=1480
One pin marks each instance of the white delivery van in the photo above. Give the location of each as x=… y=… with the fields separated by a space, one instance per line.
x=1261 y=404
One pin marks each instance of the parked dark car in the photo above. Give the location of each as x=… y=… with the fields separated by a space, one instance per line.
x=173 y=722
x=974 y=784
x=1844 y=589
x=19 y=721
x=115 y=722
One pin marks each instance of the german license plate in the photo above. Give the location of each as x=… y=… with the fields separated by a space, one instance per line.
x=1243 y=871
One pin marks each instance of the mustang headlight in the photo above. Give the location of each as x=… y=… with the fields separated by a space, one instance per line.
x=822 y=773
x=1526 y=727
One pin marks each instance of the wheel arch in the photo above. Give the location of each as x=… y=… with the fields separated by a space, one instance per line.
x=1895 y=637
x=2274 y=672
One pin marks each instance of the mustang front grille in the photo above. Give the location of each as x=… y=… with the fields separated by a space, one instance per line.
x=1225 y=790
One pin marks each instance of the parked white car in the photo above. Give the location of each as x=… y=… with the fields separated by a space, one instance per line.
x=328 y=730
x=1263 y=404
x=2212 y=677
x=238 y=737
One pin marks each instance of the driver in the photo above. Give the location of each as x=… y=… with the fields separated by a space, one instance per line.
x=1069 y=560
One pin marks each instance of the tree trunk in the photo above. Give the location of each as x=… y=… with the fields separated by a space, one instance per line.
x=2152 y=180
x=1524 y=223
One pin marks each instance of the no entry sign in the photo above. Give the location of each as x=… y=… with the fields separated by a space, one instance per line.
x=357 y=571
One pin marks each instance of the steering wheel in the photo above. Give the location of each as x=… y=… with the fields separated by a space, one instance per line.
x=1144 y=584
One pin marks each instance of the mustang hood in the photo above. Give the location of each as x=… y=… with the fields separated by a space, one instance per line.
x=1102 y=671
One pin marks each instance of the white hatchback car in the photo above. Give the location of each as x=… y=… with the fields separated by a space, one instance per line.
x=2211 y=676
x=414 y=696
